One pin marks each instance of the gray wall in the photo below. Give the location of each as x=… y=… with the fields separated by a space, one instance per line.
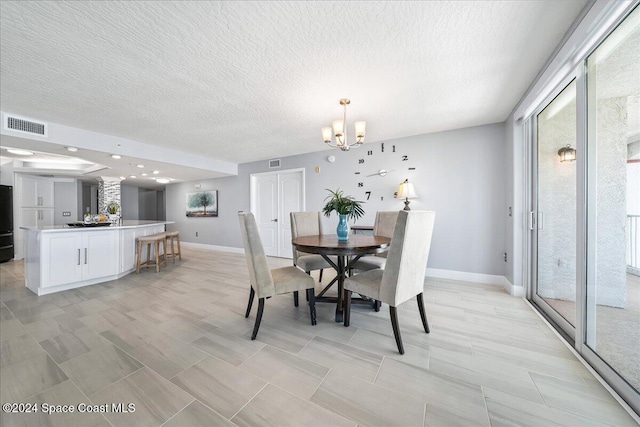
x=460 y=174
x=65 y=197
x=147 y=204
x=129 y=200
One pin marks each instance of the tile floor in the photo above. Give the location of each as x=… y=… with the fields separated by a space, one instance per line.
x=176 y=344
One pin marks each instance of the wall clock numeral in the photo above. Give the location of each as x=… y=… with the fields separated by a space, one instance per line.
x=393 y=148
x=382 y=146
x=381 y=198
x=361 y=184
x=405 y=158
x=357 y=173
x=368 y=193
x=360 y=161
x=370 y=153
x=412 y=169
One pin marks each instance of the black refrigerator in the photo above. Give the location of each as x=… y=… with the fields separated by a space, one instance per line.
x=6 y=223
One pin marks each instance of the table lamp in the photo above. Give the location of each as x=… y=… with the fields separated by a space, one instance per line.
x=406 y=191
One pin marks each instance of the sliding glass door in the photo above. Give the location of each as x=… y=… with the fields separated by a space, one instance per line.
x=554 y=219
x=585 y=216
x=612 y=309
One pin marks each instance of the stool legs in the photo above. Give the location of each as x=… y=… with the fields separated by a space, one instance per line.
x=138 y=257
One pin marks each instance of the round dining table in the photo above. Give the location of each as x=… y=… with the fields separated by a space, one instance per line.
x=347 y=253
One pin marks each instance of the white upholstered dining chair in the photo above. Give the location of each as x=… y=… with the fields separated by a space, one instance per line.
x=266 y=283
x=307 y=224
x=403 y=276
x=384 y=225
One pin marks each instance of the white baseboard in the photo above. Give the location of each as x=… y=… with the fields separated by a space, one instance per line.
x=489 y=279
x=213 y=247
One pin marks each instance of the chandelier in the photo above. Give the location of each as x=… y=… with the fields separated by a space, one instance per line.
x=340 y=131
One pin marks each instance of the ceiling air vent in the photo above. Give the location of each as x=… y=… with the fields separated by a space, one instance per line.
x=23 y=125
x=275 y=163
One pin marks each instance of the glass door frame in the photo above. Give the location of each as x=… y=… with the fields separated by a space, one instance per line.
x=533 y=213
x=585 y=222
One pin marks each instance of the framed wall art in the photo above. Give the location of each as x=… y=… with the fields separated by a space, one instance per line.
x=202 y=204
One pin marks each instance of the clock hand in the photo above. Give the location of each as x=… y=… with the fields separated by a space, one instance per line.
x=382 y=172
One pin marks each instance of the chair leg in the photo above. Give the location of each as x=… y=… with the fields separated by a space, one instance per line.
x=347 y=307
x=252 y=293
x=423 y=315
x=377 y=305
x=396 y=328
x=312 y=305
x=307 y=293
x=320 y=280
x=295 y=298
x=258 y=318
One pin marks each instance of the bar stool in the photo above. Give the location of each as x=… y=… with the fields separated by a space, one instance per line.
x=155 y=240
x=174 y=236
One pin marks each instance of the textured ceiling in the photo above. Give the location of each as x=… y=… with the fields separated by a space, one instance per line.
x=244 y=81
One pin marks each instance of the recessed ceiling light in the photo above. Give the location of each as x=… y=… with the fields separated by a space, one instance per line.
x=156 y=172
x=163 y=180
x=122 y=177
x=72 y=149
x=20 y=152
x=144 y=174
x=140 y=166
x=115 y=156
x=132 y=176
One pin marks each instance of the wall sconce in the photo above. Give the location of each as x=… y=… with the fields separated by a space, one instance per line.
x=567 y=154
x=406 y=191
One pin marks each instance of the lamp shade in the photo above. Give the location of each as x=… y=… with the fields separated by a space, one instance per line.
x=326 y=134
x=567 y=154
x=360 y=129
x=338 y=128
x=406 y=191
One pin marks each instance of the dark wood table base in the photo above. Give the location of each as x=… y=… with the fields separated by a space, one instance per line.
x=355 y=247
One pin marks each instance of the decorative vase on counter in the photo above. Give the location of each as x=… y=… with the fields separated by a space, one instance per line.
x=343 y=229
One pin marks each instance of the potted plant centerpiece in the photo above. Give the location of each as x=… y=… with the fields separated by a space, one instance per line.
x=347 y=208
x=113 y=208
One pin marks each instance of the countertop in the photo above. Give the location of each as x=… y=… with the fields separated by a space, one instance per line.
x=122 y=225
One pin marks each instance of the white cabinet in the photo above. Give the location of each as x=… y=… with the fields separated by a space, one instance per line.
x=36 y=191
x=100 y=254
x=34 y=217
x=78 y=256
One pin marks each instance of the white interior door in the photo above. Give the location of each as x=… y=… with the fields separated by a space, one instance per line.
x=273 y=196
x=266 y=211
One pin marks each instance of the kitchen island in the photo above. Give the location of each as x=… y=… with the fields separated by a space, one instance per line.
x=60 y=257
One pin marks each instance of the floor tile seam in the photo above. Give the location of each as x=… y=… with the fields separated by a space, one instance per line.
x=115 y=382
x=45 y=353
x=267 y=383
x=322 y=408
x=106 y=341
x=182 y=409
x=569 y=410
x=590 y=369
x=87 y=397
x=320 y=383
x=183 y=370
x=379 y=368
x=424 y=415
x=486 y=407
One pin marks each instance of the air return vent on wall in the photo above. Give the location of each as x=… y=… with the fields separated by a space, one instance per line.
x=275 y=163
x=23 y=125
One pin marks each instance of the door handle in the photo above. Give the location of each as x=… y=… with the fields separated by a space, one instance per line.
x=85 y=256
x=78 y=256
x=274 y=220
x=532 y=220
